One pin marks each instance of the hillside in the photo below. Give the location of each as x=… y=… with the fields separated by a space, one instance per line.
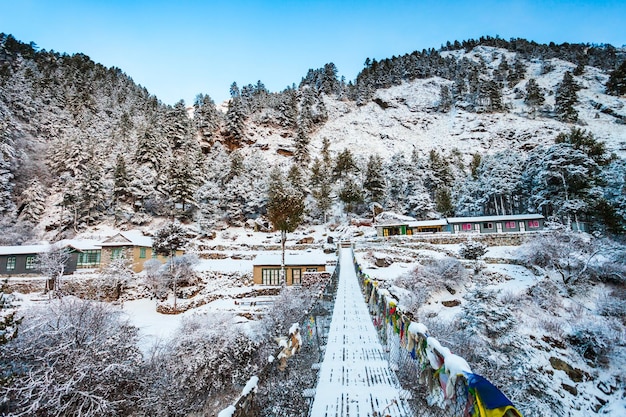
x=421 y=134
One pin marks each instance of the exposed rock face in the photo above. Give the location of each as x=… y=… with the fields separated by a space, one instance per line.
x=575 y=374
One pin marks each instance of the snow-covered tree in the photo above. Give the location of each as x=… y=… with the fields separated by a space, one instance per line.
x=616 y=85
x=33 y=202
x=206 y=119
x=534 y=97
x=566 y=98
x=167 y=240
x=301 y=153
x=374 y=182
x=285 y=209
x=52 y=264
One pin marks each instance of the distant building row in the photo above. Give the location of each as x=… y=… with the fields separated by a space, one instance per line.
x=480 y=224
x=132 y=246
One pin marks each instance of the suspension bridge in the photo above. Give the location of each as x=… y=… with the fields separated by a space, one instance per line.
x=355 y=378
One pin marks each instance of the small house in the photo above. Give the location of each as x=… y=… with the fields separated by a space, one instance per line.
x=393 y=229
x=266 y=267
x=427 y=226
x=134 y=246
x=496 y=224
x=16 y=260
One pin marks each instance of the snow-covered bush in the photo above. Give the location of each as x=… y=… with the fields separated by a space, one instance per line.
x=153 y=278
x=614 y=304
x=472 y=250
x=291 y=305
x=546 y=295
x=435 y=275
x=208 y=359
x=484 y=314
x=8 y=321
x=71 y=357
x=594 y=339
x=564 y=252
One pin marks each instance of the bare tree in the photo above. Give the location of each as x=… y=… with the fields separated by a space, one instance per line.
x=114 y=279
x=167 y=241
x=52 y=264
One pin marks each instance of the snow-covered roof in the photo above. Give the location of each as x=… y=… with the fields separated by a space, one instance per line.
x=426 y=223
x=478 y=219
x=303 y=258
x=23 y=250
x=391 y=218
x=81 y=245
x=131 y=237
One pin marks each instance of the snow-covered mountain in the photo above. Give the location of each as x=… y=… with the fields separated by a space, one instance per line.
x=82 y=144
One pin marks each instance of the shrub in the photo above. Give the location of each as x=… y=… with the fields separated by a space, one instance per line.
x=472 y=250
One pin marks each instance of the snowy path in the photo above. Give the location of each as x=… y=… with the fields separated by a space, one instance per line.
x=355 y=379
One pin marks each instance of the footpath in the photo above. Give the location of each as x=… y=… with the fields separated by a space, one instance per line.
x=355 y=379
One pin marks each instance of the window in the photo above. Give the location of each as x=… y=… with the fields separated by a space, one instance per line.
x=31 y=262
x=270 y=276
x=11 y=263
x=487 y=225
x=142 y=253
x=296 y=276
x=467 y=226
x=533 y=224
x=311 y=269
x=88 y=259
x=510 y=225
x=154 y=254
x=116 y=253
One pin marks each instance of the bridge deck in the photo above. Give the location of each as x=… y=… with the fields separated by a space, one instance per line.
x=355 y=379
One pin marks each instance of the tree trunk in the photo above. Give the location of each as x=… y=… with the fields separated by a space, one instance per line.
x=283 y=239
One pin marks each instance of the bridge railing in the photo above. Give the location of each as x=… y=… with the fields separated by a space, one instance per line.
x=430 y=375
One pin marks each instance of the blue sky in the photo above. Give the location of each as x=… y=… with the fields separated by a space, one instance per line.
x=177 y=49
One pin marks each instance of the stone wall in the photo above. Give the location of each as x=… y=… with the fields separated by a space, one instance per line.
x=491 y=239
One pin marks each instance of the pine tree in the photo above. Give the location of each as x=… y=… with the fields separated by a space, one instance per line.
x=33 y=201
x=285 y=209
x=443 y=202
x=518 y=73
x=182 y=182
x=493 y=92
x=566 y=98
x=235 y=122
x=326 y=151
x=296 y=180
x=445 y=99
x=616 y=85
x=344 y=164
x=351 y=194
x=534 y=97
x=206 y=119
x=121 y=182
x=92 y=195
x=301 y=152
x=374 y=184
